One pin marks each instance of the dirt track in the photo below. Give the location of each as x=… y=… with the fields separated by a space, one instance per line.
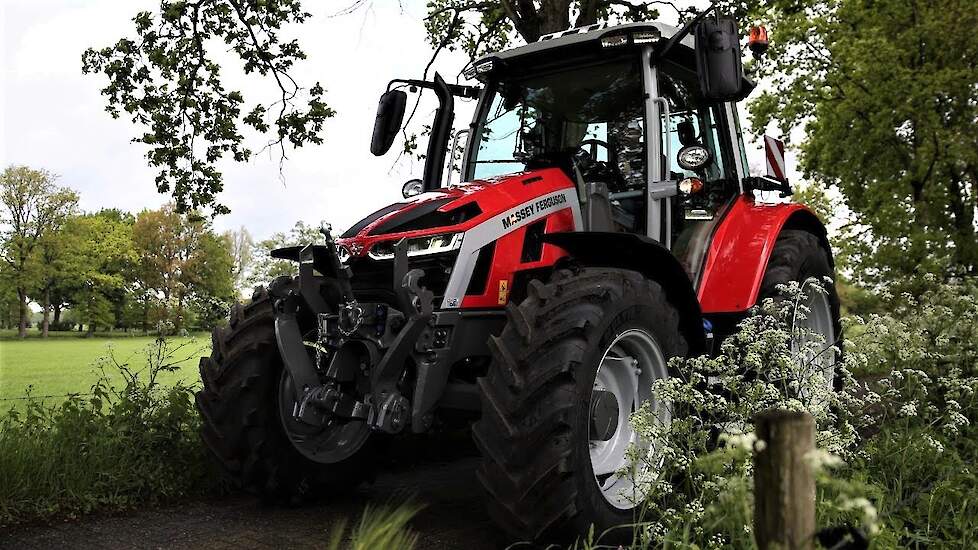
x=454 y=515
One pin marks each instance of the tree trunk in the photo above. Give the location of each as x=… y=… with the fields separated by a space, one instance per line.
x=178 y=322
x=22 y=303
x=145 y=316
x=47 y=313
x=57 y=314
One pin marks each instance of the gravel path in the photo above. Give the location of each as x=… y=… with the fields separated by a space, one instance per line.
x=454 y=515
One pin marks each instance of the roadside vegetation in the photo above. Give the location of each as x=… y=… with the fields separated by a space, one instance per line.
x=897 y=444
x=131 y=440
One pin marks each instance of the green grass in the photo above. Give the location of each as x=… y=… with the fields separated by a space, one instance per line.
x=64 y=364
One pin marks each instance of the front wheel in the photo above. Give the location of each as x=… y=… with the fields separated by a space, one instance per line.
x=247 y=405
x=576 y=358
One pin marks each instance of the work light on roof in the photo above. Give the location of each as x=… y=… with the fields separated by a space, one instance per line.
x=646 y=37
x=614 y=41
x=481 y=67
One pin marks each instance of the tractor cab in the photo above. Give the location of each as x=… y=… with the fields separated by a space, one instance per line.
x=644 y=128
x=648 y=150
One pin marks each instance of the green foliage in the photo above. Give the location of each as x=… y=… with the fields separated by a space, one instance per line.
x=99 y=253
x=897 y=445
x=168 y=79
x=265 y=268
x=181 y=262
x=32 y=209
x=885 y=92
x=384 y=528
x=119 y=447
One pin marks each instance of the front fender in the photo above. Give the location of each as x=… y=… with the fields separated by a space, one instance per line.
x=741 y=247
x=646 y=256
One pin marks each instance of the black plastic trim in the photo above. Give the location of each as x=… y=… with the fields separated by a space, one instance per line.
x=358 y=227
x=480 y=273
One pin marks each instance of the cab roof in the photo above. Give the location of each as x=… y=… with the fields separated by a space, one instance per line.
x=585 y=40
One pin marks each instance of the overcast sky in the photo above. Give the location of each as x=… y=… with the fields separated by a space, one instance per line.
x=51 y=116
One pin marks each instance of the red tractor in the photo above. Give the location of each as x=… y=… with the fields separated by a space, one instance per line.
x=606 y=224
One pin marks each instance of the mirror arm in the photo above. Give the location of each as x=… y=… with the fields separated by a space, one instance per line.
x=458 y=90
x=684 y=32
x=441 y=130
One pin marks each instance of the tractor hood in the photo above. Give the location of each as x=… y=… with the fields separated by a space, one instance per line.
x=451 y=210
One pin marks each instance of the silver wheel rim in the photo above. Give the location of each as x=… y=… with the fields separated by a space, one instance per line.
x=627 y=370
x=812 y=347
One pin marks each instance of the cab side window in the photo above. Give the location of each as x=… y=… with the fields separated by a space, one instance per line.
x=694 y=122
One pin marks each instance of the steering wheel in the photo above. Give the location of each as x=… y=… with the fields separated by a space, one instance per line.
x=598 y=170
x=592 y=147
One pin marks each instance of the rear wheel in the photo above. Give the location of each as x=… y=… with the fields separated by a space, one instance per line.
x=246 y=405
x=576 y=358
x=799 y=256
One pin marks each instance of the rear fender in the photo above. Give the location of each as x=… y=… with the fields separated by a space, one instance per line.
x=741 y=248
x=648 y=257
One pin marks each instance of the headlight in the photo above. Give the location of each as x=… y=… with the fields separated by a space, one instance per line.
x=420 y=246
x=693 y=157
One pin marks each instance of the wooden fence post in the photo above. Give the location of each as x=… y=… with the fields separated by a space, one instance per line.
x=784 y=484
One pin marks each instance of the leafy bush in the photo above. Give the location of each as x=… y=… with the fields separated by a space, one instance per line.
x=896 y=446
x=107 y=451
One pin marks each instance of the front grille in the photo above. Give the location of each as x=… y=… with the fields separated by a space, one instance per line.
x=373 y=280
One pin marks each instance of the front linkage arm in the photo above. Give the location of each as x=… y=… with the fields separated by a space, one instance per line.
x=318 y=394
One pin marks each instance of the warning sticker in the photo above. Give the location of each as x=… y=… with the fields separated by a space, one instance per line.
x=503 y=291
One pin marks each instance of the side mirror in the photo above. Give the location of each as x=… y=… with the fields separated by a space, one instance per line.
x=390 y=114
x=718 y=59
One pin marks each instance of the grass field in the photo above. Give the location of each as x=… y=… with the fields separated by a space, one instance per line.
x=66 y=364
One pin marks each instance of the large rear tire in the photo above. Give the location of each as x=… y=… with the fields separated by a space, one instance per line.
x=241 y=408
x=558 y=357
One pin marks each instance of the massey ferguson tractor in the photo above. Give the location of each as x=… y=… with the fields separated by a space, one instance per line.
x=605 y=223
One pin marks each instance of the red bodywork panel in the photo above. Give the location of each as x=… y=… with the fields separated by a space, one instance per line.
x=738 y=254
x=494 y=197
x=732 y=270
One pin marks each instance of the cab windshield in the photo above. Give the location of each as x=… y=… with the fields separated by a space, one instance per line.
x=592 y=114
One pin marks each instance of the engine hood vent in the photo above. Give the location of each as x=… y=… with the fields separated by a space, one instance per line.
x=427 y=216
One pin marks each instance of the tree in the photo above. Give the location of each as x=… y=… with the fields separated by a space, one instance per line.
x=182 y=261
x=168 y=79
x=480 y=27
x=886 y=94
x=54 y=272
x=31 y=207
x=267 y=268
x=101 y=255
x=242 y=252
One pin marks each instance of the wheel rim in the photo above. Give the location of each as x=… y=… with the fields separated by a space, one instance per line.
x=333 y=441
x=812 y=347
x=623 y=382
